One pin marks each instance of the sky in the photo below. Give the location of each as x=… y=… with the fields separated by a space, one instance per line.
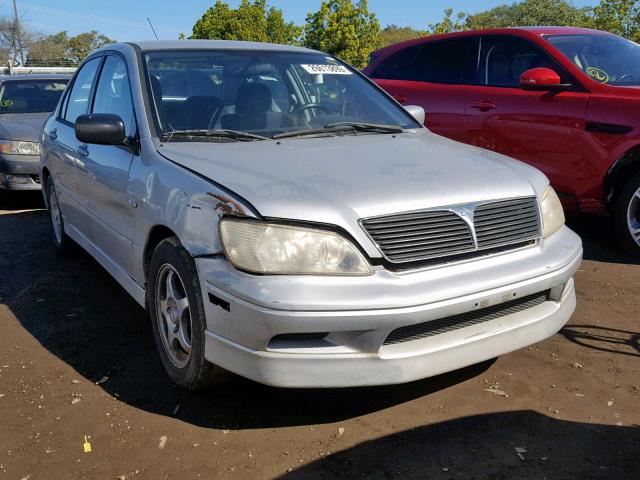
x=125 y=20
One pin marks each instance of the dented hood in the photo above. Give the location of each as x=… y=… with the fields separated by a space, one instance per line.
x=339 y=180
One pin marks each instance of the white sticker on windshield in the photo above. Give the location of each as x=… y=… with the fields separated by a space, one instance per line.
x=326 y=69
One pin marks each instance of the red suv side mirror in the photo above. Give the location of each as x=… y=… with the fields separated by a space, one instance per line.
x=542 y=78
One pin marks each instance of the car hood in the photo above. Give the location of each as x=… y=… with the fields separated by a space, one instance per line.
x=339 y=180
x=22 y=126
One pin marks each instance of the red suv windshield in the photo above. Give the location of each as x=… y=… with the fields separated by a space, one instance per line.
x=606 y=59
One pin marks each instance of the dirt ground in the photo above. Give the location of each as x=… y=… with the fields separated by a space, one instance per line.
x=77 y=359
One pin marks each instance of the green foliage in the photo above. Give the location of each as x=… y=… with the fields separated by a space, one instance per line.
x=621 y=17
x=61 y=49
x=344 y=29
x=394 y=34
x=251 y=21
x=448 y=24
x=83 y=44
x=531 y=12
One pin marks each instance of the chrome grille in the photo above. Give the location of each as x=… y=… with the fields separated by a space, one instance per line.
x=456 y=322
x=439 y=234
x=509 y=221
x=421 y=235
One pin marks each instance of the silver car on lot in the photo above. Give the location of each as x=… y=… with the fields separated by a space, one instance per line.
x=26 y=100
x=282 y=218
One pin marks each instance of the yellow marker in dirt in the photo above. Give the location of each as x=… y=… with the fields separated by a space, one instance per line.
x=86 y=445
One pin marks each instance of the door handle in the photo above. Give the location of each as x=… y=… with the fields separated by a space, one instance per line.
x=83 y=150
x=399 y=97
x=484 y=105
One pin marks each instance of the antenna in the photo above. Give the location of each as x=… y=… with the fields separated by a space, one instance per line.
x=152 y=29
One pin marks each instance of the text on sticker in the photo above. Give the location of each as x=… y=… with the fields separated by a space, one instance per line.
x=326 y=69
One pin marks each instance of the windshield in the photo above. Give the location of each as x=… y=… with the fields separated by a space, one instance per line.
x=606 y=59
x=262 y=93
x=30 y=96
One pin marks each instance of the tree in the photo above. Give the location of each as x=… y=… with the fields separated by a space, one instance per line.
x=621 y=17
x=83 y=44
x=61 y=50
x=251 y=21
x=344 y=29
x=50 y=50
x=531 y=12
x=394 y=34
x=14 y=38
x=448 y=25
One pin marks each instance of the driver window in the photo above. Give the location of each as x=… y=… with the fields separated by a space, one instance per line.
x=78 y=98
x=505 y=58
x=113 y=94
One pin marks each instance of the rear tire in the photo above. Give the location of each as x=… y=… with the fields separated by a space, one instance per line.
x=61 y=240
x=178 y=319
x=627 y=216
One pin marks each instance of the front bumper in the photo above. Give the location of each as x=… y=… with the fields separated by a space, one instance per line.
x=19 y=172
x=247 y=316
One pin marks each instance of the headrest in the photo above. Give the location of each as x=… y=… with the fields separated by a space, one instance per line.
x=253 y=98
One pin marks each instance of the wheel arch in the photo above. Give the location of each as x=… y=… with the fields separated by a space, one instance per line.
x=157 y=234
x=623 y=169
x=44 y=177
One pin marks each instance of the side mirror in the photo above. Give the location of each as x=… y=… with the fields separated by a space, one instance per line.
x=100 y=128
x=416 y=112
x=542 y=79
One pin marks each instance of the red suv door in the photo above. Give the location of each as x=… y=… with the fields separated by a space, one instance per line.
x=430 y=74
x=543 y=129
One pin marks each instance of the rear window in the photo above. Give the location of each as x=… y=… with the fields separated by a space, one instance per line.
x=30 y=96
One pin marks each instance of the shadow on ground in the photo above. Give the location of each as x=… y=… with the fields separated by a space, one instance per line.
x=478 y=447
x=604 y=339
x=16 y=201
x=81 y=315
x=599 y=239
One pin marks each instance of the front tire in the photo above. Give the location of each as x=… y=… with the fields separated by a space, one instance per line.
x=178 y=319
x=61 y=240
x=627 y=216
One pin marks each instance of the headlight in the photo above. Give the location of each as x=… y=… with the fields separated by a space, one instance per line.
x=552 y=213
x=280 y=249
x=13 y=147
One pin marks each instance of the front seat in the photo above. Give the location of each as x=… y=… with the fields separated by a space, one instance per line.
x=199 y=112
x=253 y=110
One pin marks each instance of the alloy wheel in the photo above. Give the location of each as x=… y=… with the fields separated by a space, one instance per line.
x=56 y=217
x=173 y=315
x=633 y=216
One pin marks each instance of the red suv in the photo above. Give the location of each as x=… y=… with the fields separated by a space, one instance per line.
x=565 y=100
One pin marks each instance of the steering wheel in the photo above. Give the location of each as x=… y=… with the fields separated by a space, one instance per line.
x=309 y=106
x=623 y=77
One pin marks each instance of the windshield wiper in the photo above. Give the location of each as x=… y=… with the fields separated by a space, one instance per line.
x=344 y=127
x=219 y=133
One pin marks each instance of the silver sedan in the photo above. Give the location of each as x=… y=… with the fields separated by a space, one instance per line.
x=283 y=218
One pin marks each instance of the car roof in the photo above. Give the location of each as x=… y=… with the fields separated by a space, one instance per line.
x=36 y=76
x=550 y=30
x=149 y=45
x=539 y=31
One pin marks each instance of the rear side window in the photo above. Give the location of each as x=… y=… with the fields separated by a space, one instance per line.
x=398 y=66
x=441 y=61
x=78 y=100
x=113 y=94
